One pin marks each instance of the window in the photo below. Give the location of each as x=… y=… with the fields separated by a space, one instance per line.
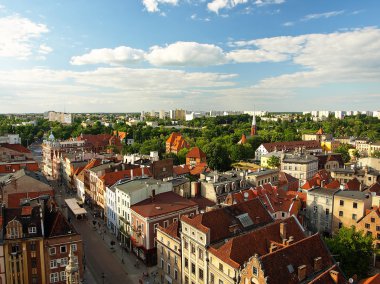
x=168 y=269
x=186 y=280
x=53 y=263
x=33 y=246
x=186 y=245
x=367 y=226
x=254 y=270
x=200 y=274
x=200 y=254
x=377 y=228
x=315 y=209
x=340 y=213
x=378 y=236
x=192 y=249
x=74 y=247
x=186 y=262
x=54 y=277
x=340 y=225
x=166 y=223
x=341 y=202
x=175 y=259
x=354 y=205
x=63 y=249
x=193 y=268
x=63 y=275
x=175 y=274
x=64 y=261
x=162 y=263
x=220 y=267
x=32 y=230
x=155 y=227
x=220 y=281
x=162 y=249
x=212 y=278
x=372 y=220
x=327 y=211
x=175 y=220
x=354 y=216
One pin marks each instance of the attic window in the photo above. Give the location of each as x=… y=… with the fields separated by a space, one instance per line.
x=290 y=268
x=245 y=220
x=32 y=230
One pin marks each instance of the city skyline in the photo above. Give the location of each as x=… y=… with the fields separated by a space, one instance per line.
x=279 y=55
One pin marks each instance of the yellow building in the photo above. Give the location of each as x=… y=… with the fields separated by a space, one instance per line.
x=329 y=145
x=349 y=207
x=264 y=159
x=169 y=254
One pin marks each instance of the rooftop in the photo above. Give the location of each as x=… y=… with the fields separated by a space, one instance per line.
x=162 y=204
x=353 y=194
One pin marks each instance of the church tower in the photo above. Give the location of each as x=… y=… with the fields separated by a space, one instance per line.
x=253 y=126
x=72 y=270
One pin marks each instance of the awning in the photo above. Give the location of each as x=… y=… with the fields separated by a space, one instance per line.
x=72 y=203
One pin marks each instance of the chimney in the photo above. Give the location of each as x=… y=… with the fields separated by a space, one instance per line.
x=323 y=183
x=301 y=272
x=283 y=230
x=153 y=193
x=334 y=276
x=317 y=264
x=131 y=174
x=361 y=187
x=273 y=247
x=290 y=240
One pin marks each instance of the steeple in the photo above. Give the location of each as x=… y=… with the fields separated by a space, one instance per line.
x=253 y=126
x=72 y=270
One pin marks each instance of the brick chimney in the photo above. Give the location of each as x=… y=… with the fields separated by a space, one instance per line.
x=317 y=264
x=283 y=230
x=334 y=276
x=273 y=247
x=301 y=272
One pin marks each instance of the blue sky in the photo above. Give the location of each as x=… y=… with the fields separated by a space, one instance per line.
x=122 y=56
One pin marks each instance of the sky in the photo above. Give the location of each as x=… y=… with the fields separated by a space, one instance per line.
x=143 y=55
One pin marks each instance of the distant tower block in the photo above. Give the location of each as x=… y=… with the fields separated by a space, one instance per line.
x=253 y=127
x=72 y=270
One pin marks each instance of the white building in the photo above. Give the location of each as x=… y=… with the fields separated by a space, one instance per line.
x=162 y=114
x=10 y=139
x=129 y=192
x=323 y=114
x=112 y=216
x=339 y=114
x=314 y=113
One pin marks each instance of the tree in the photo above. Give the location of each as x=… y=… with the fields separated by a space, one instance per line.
x=343 y=150
x=356 y=154
x=274 y=162
x=182 y=155
x=353 y=250
x=376 y=154
x=217 y=157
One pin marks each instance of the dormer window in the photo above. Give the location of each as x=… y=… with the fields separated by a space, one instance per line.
x=32 y=230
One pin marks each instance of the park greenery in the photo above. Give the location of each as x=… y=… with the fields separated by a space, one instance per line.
x=216 y=136
x=353 y=250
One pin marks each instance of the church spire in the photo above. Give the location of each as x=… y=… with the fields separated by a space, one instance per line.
x=253 y=126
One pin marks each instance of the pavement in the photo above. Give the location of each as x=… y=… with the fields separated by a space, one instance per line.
x=103 y=263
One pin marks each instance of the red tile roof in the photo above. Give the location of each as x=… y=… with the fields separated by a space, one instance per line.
x=196 y=153
x=93 y=163
x=181 y=170
x=217 y=221
x=291 y=145
x=198 y=169
x=172 y=230
x=111 y=178
x=375 y=188
x=162 y=204
x=303 y=252
x=26 y=210
x=335 y=184
x=15 y=147
x=177 y=142
x=320 y=131
x=15 y=198
x=203 y=202
x=326 y=276
x=375 y=279
x=353 y=184
x=239 y=249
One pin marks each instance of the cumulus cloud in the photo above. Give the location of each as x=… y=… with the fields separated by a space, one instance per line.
x=322 y=15
x=44 y=49
x=152 y=5
x=255 y=56
x=186 y=54
x=18 y=35
x=216 y=5
x=268 y=2
x=117 y=56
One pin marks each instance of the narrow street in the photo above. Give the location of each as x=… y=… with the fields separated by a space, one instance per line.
x=102 y=263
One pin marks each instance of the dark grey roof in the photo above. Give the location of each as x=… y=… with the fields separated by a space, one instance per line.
x=353 y=194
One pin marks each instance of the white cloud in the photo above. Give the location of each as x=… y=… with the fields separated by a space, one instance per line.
x=268 y=2
x=217 y=5
x=152 y=5
x=288 y=24
x=255 y=56
x=186 y=54
x=119 y=55
x=44 y=49
x=17 y=36
x=322 y=15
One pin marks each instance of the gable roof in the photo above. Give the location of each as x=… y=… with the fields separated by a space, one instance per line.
x=291 y=145
x=335 y=184
x=320 y=131
x=375 y=279
x=172 y=230
x=375 y=188
x=353 y=184
x=15 y=147
x=279 y=264
x=218 y=221
x=195 y=152
x=238 y=250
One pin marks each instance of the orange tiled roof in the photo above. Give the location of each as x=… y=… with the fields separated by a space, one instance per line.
x=335 y=184
x=196 y=153
x=172 y=230
x=375 y=188
x=181 y=170
x=353 y=184
x=291 y=145
x=375 y=279
x=198 y=169
x=320 y=131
